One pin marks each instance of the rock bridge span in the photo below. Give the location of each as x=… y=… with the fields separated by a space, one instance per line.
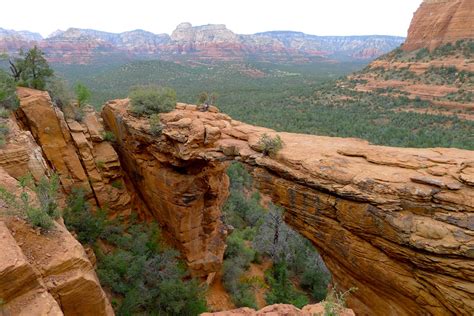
x=396 y=223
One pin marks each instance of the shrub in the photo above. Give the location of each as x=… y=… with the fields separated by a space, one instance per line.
x=152 y=100
x=117 y=184
x=149 y=278
x=4 y=130
x=47 y=193
x=422 y=53
x=281 y=289
x=4 y=113
x=77 y=217
x=268 y=145
x=38 y=218
x=335 y=302
x=108 y=136
x=315 y=281
x=60 y=93
x=155 y=125
x=83 y=94
x=8 y=98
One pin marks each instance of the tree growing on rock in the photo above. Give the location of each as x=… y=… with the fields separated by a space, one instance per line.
x=31 y=69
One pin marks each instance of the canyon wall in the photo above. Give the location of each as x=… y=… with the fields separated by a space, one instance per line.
x=44 y=274
x=77 y=152
x=397 y=223
x=439 y=22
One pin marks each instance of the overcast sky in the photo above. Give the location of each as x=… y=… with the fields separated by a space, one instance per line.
x=318 y=17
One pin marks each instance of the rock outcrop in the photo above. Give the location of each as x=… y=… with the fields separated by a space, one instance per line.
x=44 y=274
x=76 y=151
x=439 y=22
x=281 y=309
x=397 y=223
x=183 y=196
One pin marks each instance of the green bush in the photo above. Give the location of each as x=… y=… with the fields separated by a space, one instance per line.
x=60 y=93
x=8 y=98
x=47 y=192
x=268 y=145
x=4 y=130
x=148 y=277
x=143 y=276
x=335 y=302
x=108 y=136
x=4 y=113
x=38 y=218
x=156 y=128
x=281 y=288
x=315 y=281
x=83 y=94
x=78 y=218
x=117 y=184
x=152 y=100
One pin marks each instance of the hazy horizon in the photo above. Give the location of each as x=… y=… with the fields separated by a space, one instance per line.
x=335 y=18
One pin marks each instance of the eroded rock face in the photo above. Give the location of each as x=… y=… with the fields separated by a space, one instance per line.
x=45 y=274
x=280 y=309
x=76 y=151
x=184 y=196
x=438 y=22
x=397 y=223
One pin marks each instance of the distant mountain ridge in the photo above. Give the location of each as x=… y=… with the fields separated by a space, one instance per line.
x=213 y=41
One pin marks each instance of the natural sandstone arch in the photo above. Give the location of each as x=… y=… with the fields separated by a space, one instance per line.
x=396 y=223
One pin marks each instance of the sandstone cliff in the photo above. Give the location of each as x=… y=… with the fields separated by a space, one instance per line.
x=395 y=223
x=76 y=151
x=439 y=22
x=45 y=274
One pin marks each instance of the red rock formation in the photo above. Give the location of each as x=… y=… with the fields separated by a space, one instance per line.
x=45 y=274
x=76 y=151
x=438 y=22
x=183 y=196
x=281 y=309
x=394 y=222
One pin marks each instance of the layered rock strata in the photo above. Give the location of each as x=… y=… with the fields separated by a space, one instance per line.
x=397 y=223
x=44 y=274
x=76 y=151
x=439 y=22
x=184 y=196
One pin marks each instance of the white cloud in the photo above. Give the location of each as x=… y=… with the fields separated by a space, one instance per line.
x=319 y=17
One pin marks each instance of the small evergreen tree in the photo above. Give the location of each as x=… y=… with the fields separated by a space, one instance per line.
x=83 y=94
x=31 y=69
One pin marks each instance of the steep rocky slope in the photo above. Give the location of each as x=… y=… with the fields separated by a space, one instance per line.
x=214 y=42
x=76 y=151
x=44 y=274
x=395 y=223
x=438 y=22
